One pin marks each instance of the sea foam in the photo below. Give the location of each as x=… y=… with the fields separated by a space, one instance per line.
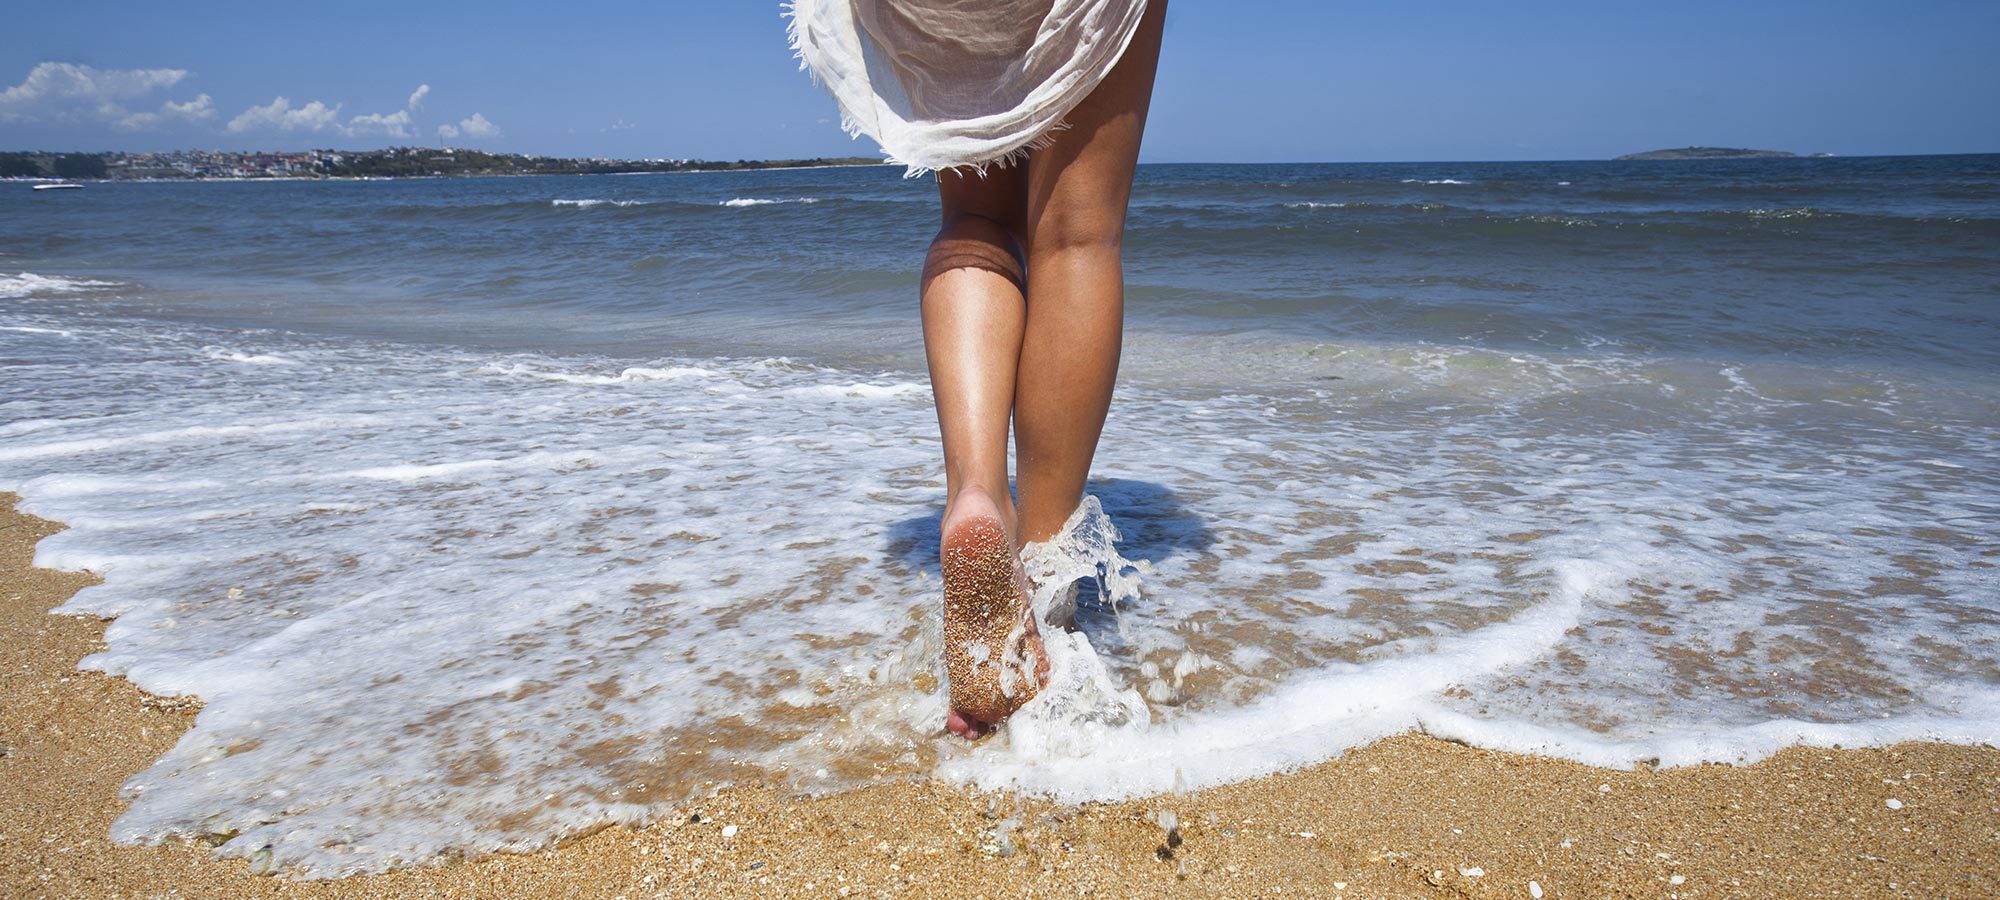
x=439 y=601
x=590 y=202
x=28 y=284
x=759 y=201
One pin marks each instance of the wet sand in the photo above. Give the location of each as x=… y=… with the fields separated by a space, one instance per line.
x=1406 y=817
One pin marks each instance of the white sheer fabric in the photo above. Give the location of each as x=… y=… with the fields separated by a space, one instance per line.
x=947 y=83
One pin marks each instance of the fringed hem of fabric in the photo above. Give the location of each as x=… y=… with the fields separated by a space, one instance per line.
x=808 y=54
x=803 y=53
x=1017 y=156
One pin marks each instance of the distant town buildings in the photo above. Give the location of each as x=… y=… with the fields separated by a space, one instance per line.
x=214 y=164
x=393 y=162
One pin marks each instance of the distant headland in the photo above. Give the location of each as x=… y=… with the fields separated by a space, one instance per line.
x=1715 y=153
x=393 y=162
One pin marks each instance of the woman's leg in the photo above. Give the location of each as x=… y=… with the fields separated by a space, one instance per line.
x=974 y=312
x=974 y=309
x=993 y=350
x=1077 y=191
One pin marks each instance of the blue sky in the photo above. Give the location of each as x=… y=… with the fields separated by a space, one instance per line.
x=1239 y=81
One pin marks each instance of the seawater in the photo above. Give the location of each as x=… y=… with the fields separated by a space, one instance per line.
x=483 y=512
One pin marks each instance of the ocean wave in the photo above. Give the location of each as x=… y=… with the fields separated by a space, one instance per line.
x=588 y=203
x=1564 y=221
x=220 y=354
x=1800 y=212
x=859 y=391
x=758 y=201
x=1428 y=217
x=1434 y=181
x=28 y=284
x=628 y=375
x=1376 y=207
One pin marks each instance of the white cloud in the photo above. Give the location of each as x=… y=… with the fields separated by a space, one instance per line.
x=477 y=126
x=140 y=121
x=395 y=124
x=280 y=114
x=200 y=109
x=317 y=117
x=620 y=125
x=70 y=92
x=474 y=125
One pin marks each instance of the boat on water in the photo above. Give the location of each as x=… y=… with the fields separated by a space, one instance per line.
x=57 y=187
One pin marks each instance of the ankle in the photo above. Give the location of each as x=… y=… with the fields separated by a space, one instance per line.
x=977 y=500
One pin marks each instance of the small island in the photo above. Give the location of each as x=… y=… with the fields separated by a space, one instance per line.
x=1710 y=153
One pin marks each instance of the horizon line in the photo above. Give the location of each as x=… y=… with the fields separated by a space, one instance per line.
x=1143 y=162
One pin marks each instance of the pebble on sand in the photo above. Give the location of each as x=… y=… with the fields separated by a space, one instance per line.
x=1893 y=803
x=1535 y=890
x=728 y=831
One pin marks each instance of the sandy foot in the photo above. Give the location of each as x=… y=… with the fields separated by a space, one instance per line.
x=993 y=652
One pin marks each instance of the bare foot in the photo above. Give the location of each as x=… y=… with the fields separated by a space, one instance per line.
x=992 y=651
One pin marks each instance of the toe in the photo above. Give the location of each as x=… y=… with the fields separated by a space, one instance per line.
x=964 y=726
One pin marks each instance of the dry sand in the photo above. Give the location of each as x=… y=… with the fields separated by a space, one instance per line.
x=1407 y=817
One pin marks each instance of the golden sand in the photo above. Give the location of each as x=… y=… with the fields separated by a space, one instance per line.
x=1406 y=817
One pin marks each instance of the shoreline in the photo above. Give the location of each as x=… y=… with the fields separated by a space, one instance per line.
x=1407 y=816
x=299 y=178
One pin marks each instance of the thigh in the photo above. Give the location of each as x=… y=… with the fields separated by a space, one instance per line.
x=1079 y=184
x=982 y=224
x=999 y=195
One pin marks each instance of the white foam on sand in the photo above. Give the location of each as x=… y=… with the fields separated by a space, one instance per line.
x=1075 y=755
x=440 y=601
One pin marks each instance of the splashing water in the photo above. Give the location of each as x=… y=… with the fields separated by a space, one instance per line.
x=1083 y=704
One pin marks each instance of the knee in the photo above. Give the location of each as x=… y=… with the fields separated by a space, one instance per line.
x=1088 y=231
x=971 y=240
